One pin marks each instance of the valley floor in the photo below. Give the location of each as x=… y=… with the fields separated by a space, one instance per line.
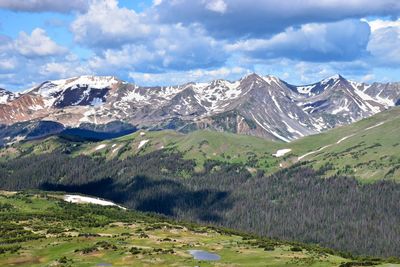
x=43 y=230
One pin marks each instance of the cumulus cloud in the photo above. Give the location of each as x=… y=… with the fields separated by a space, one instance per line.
x=7 y=64
x=63 y=69
x=338 y=41
x=175 y=48
x=384 y=44
x=218 y=6
x=125 y=39
x=254 y=18
x=157 y=2
x=45 y=5
x=107 y=25
x=34 y=58
x=23 y=71
x=38 y=44
x=380 y=23
x=152 y=42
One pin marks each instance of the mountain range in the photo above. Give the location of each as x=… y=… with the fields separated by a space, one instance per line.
x=263 y=106
x=338 y=188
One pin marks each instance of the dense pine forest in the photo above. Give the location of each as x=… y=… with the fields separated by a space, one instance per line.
x=292 y=204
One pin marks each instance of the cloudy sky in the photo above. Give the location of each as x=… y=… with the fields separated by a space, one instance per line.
x=174 y=41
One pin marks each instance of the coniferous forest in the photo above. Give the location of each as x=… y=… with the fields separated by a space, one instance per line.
x=292 y=204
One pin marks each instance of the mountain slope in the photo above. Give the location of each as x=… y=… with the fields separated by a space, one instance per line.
x=368 y=149
x=337 y=101
x=200 y=146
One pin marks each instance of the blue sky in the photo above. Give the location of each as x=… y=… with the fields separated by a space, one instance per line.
x=162 y=42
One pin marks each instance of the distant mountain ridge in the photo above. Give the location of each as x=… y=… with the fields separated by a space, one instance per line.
x=263 y=106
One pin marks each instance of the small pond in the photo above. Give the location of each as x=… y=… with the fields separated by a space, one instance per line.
x=204 y=255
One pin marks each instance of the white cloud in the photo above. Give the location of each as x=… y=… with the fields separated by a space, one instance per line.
x=379 y=24
x=368 y=77
x=45 y=5
x=63 y=69
x=218 y=6
x=343 y=40
x=384 y=44
x=157 y=2
x=107 y=25
x=8 y=64
x=174 y=47
x=256 y=18
x=37 y=44
x=128 y=55
x=181 y=77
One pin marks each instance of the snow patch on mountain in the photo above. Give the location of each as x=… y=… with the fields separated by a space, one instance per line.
x=99 y=147
x=4 y=99
x=89 y=200
x=281 y=152
x=216 y=94
x=343 y=108
x=271 y=80
x=135 y=96
x=385 y=101
x=5 y=96
x=92 y=81
x=142 y=143
x=54 y=91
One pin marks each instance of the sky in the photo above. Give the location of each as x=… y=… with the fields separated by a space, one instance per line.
x=168 y=42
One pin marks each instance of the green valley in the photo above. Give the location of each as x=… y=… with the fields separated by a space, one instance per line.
x=40 y=229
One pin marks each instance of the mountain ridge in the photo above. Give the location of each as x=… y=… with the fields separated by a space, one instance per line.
x=263 y=106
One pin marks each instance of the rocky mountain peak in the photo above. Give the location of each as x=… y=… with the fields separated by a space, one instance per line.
x=251 y=77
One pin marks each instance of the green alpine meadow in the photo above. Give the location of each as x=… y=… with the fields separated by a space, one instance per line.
x=41 y=229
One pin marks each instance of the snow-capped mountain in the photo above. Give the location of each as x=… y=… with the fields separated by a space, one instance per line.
x=5 y=96
x=254 y=105
x=78 y=91
x=337 y=101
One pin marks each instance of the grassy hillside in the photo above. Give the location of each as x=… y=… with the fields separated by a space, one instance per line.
x=42 y=230
x=199 y=146
x=369 y=150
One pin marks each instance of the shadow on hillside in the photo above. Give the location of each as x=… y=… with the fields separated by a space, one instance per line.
x=164 y=196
